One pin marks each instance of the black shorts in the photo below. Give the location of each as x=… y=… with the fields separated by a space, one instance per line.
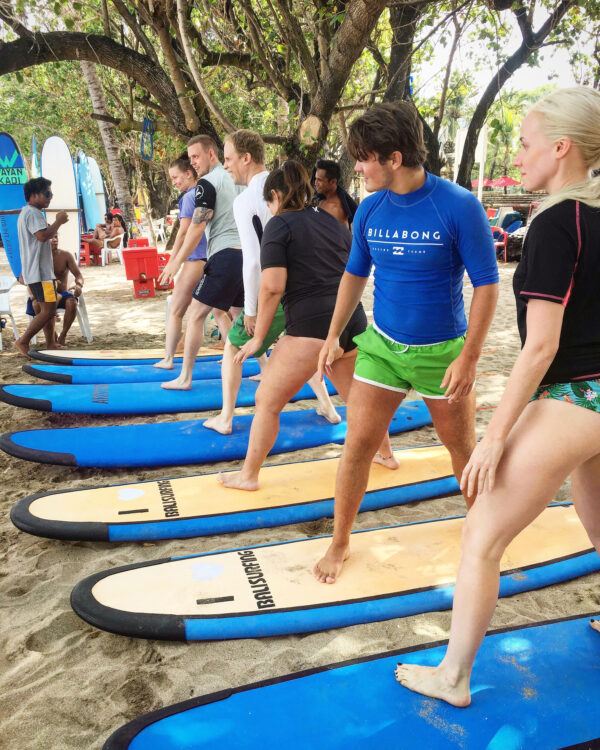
x=317 y=326
x=222 y=285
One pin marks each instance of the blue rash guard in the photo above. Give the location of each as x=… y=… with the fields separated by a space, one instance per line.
x=420 y=244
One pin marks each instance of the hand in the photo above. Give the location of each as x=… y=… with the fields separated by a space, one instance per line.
x=330 y=351
x=76 y=290
x=62 y=217
x=459 y=378
x=248 y=350
x=249 y=324
x=168 y=273
x=480 y=472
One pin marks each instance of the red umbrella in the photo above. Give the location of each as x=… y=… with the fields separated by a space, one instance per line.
x=505 y=181
x=486 y=182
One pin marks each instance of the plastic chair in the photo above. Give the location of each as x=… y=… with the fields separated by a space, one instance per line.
x=159 y=230
x=491 y=212
x=6 y=284
x=105 y=253
x=500 y=240
x=82 y=320
x=508 y=219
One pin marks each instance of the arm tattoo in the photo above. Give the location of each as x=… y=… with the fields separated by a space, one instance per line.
x=202 y=214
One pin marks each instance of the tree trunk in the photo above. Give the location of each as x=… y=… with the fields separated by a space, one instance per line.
x=109 y=138
x=403 y=23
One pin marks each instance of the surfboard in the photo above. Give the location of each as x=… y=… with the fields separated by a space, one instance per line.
x=13 y=175
x=110 y=357
x=98 y=183
x=533 y=687
x=92 y=374
x=269 y=589
x=56 y=165
x=186 y=442
x=199 y=505
x=91 y=214
x=35 y=162
x=134 y=398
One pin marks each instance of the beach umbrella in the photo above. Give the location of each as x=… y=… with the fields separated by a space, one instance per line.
x=505 y=181
x=486 y=182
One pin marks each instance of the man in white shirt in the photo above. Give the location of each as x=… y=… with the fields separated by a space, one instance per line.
x=244 y=159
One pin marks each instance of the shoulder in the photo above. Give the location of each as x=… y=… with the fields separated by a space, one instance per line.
x=561 y=217
x=453 y=193
x=369 y=204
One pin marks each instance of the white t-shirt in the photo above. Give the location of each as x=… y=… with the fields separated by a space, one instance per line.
x=36 y=256
x=248 y=204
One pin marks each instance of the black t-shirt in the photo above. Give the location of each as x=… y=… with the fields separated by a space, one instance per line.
x=314 y=247
x=561 y=263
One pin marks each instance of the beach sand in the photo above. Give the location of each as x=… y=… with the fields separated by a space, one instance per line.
x=68 y=686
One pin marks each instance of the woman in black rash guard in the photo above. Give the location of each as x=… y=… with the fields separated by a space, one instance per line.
x=547 y=425
x=303 y=256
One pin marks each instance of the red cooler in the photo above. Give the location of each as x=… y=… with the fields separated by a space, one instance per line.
x=141 y=267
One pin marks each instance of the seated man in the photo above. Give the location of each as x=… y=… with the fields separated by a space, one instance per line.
x=330 y=196
x=63 y=262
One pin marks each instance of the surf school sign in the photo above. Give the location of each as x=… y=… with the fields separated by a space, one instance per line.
x=12 y=170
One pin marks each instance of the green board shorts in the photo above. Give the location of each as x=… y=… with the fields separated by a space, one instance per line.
x=585 y=393
x=400 y=367
x=239 y=336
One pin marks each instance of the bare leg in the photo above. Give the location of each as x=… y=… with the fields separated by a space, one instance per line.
x=188 y=278
x=70 y=313
x=194 y=335
x=231 y=374
x=455 y=426
x=549 y=441
x=43 y=319
x=365 y=436
x=325 y=408
x=224 y=323
x=262 y=363
x=293 y=361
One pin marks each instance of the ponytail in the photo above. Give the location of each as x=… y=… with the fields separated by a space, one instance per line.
x=291 y=181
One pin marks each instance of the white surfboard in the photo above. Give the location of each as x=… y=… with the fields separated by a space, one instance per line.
x=56 y=165
x=98 y=183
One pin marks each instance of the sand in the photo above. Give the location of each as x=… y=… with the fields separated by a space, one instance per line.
x=66 y=685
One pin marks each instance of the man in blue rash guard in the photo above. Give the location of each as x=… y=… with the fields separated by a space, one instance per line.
x=420 y=233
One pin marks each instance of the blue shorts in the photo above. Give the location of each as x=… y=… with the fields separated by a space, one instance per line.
x=222 y=285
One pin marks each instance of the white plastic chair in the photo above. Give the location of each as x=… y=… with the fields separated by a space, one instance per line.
x=105 y=253
x=159 y=231
x=6 y=284
x=82 y=320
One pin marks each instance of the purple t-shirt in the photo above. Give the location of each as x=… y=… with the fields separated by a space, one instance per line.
x=186 y=211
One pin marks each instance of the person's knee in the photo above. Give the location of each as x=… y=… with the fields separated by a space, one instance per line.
x=477 y=542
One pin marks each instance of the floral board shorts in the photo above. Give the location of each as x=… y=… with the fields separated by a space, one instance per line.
x=584 y=393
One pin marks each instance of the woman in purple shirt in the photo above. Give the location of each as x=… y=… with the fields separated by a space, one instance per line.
x=184 y=178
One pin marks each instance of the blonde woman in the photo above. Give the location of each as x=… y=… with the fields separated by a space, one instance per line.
x=184 y=178
x=547 y=425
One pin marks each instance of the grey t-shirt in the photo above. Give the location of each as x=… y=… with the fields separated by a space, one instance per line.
x=36 y=256
x=216 y=190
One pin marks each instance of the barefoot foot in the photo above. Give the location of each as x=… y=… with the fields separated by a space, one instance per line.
x=218 y=424
x=21 y=348
x=388 y=461
x=234 y=480
x=257 y=377
x=430 y=681
x=164 y=364
x=330 y=415
x=595 y=624
x=179 y=384
x=329 y=567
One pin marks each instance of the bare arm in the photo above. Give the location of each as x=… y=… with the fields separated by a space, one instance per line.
x=202 y=215
x=544 y=323
x=47 y=234
x=349 y=293
x=460 y=375
x=74 y=269
x=272 y=286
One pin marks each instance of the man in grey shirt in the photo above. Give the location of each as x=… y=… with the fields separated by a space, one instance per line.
x=221 y=288
x=36 y=260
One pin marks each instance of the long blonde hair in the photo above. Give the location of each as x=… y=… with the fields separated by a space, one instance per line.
x=574 y=113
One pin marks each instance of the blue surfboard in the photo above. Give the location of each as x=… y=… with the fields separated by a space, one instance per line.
x=133 y=398
x=269 y=589
x=13 y=175
x=88 y=192
x=172 y=443
x=92 y=374
x=113 y=358
x=533 y=688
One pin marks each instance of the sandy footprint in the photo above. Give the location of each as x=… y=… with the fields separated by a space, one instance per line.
x=48 y=638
